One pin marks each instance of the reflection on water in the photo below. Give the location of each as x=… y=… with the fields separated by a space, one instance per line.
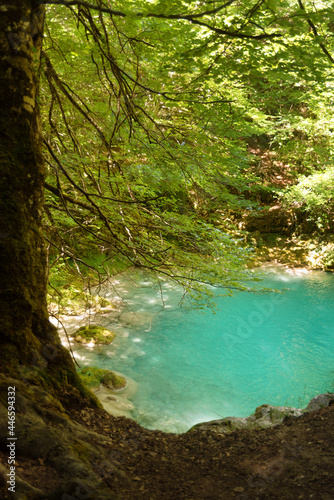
x=192 y=367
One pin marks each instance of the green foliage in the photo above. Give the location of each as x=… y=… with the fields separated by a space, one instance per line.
x=314 y=195
x=165 y=125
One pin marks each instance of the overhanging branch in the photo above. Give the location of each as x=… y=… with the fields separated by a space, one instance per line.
x=315 y=33
x=88 y=5
x=100 y=8
x=192 y=18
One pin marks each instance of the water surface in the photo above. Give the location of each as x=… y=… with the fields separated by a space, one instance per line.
x=191 y=367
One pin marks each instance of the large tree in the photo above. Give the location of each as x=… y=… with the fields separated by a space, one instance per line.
x=24 y=320
x=27 y=336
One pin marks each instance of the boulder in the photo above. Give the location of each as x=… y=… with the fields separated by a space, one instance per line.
x=321 y=401
x=269 y=220
x=113 y=381
x=264 y=416
x=93 y=333
x=93 y=377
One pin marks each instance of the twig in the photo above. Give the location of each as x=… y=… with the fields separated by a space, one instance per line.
x=68 y=339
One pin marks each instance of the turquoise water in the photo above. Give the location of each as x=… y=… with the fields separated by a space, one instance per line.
x=192 y=367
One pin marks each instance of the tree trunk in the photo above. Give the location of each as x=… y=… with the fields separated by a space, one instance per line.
x=26 y=335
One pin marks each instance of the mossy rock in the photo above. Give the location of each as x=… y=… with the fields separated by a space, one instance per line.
x=94 y=333
x=93 y=377
x=113 y=381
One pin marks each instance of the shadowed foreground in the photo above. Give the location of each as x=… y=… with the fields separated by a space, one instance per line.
x=84 y=453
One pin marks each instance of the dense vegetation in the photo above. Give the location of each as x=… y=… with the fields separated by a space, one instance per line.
x=167 y=125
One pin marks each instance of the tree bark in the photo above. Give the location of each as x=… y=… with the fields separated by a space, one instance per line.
x=26 y=335
x=22 y=257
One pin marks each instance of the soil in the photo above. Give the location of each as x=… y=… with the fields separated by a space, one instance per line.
x=294 y=460
x=291 y=461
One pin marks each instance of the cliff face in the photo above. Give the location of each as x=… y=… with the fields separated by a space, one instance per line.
x=85 y=453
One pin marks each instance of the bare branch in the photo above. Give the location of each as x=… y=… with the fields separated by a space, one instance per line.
x=56 y=192
x=81 y=3
x=66 y=333
x=192 y=18
x=51 y=71
x=315 y=33
x=236 y=34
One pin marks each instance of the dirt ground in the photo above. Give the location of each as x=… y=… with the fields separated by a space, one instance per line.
x=292 y=461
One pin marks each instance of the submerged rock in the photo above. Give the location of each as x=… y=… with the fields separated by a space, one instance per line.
x=117 y=405
x=135 y=319
x=94 y=333
x=117 y=402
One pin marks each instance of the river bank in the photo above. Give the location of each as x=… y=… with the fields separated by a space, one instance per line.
x=168 y=354
x=106 y=458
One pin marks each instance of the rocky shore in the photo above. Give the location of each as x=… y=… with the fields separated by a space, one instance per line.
x=265 y=416
x=87 y=453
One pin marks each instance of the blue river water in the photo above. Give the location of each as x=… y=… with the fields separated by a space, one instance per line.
x=275 y=348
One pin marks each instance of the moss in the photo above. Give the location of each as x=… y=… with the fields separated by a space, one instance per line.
x=9 y=358
x=104 y=302
x=82 y=451
x=276 y=414
x=93 y=377
x=60 y=378
x=95 y=333
x=113 y=381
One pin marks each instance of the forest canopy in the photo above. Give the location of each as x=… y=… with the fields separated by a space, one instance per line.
x=166 y=122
